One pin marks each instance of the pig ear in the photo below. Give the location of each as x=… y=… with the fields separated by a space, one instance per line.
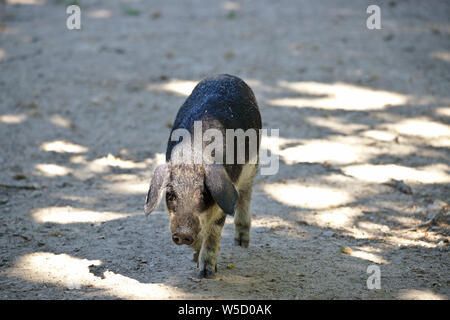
x=157 y=186
x=221 y=188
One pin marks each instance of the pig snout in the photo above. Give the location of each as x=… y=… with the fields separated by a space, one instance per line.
x=182 y=237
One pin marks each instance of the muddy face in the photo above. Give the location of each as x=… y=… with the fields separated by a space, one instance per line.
x=186 y=199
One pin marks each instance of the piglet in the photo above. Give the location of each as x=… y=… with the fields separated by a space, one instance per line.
x=211 y=160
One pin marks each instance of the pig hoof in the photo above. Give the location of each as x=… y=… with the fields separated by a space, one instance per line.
x=207 y=270
x=241 y=242
x=205 y=273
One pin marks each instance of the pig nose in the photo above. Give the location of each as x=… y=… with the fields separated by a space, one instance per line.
x=182 y=238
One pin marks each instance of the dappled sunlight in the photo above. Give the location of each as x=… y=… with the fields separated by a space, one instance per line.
x=231 y=5
x=99 y=14
x=65 y=215
x=372 y=227
x=320 y=151
x=61 y=146
x=338 y=218
x=436 y=173
x=112 y=161
x=422 y=127
x=59 y=269
x=180 y=87
x=335 y=124
x=394 y=237
x=337 y=96
x=405 y=220
x=311 y=197
x=52 y=170
x=2 y=54
x=75 y=198
x=270 y=222
x=369 y=254
x=26 y=2
x=9 y=30
x=60 y=121
x=126 y=184
x=381 y=228
x=425 y=294
x=349 y=220
x=409 y=240
x=339 y=151
x=78 y=159
x=441 y=55
x=437 y=133
x=379 y=135
x=128 y=187
x=12 y=118
x=443 y=111
x=116 y=183
x=442 y=142
x=273 y=143
x=73 y=273
x=103 y=165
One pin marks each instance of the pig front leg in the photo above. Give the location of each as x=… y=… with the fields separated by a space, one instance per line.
x=207 y=258
x=197 y=246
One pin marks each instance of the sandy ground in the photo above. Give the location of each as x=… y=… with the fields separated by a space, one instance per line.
x=85 y=115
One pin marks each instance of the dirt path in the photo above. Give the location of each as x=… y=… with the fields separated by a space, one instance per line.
x=84 y=119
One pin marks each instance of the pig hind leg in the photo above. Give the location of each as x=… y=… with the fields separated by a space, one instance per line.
x=242 y=218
